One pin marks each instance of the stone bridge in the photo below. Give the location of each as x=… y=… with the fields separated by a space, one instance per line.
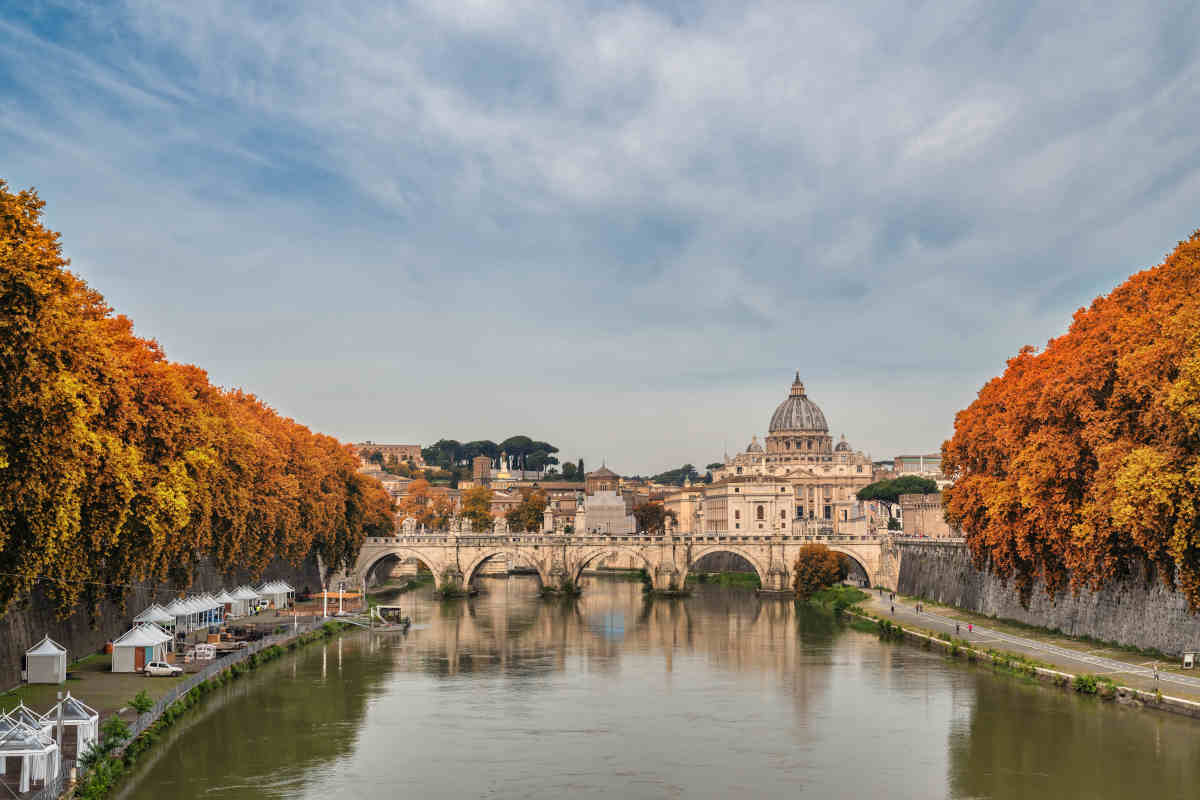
x=560 y=559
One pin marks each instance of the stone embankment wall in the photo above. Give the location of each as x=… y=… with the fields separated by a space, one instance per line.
x=1136 y=612
x=24 y=626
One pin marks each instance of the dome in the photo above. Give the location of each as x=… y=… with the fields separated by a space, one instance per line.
x=754 y=446
x=843 y=446
x=798 y=413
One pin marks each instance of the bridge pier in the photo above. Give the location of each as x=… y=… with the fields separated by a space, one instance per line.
x=450 y=583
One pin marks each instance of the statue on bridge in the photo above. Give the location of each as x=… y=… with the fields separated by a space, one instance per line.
x=455 y=525
x=408 y=526
x=501 y=525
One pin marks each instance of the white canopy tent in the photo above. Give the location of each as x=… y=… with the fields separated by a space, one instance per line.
x=138 y=646
x=37 y=750
x=27 y=716
x=80 y=716
x=157 y=615
x=46 y=662
x=227 y=602
x=248 y=599
x=277 y=593
x=179 y=610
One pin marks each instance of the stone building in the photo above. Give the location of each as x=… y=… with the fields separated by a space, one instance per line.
x=686 y=504
x=402 y=452
x=922 y=515
x=799 y=462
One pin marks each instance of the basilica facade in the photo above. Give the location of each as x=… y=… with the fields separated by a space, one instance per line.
x=799 y=482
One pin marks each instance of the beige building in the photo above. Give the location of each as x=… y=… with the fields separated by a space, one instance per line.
x=402 y=452
x=799 y=464
x=922 y=515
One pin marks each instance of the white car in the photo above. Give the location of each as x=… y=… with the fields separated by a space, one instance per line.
x=162 y=669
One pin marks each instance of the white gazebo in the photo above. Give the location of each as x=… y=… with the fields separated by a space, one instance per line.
x=27 y=716
x=138 y=646
x=156 y=615
x=80 y=716
x=37 y=750
x=46 y=662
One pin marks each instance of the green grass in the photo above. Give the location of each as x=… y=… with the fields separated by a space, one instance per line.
x=740 y=580
x=838 y=598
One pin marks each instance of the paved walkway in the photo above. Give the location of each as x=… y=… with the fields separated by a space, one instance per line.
x=1135 y=675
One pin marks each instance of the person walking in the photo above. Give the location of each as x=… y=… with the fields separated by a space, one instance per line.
x=893 y=609
x=970 y=628
x=956 y=631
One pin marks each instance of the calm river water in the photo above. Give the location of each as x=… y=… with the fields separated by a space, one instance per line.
x=718 y=695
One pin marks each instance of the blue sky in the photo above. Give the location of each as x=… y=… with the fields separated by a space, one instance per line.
x=620 y=227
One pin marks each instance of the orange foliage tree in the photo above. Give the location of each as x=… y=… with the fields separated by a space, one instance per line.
x=118 y=466
x=1080 y=465
x=816 y=568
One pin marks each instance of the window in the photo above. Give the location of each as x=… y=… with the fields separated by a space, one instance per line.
x=760 y=513
x=736 y=489
x=828 y=512
x=737 y=514
x=783 y=513
x=858 y=468
x=737 y=525
x=739 y=470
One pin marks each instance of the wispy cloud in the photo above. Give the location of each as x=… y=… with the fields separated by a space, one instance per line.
x=404 y=220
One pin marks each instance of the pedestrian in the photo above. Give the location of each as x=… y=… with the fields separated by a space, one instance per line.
x=956 y=631
x=970 y=628
x=893 y=609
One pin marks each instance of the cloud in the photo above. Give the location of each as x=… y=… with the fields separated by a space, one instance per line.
x=622 y=225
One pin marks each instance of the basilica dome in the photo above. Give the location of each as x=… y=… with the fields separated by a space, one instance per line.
x=798 y=413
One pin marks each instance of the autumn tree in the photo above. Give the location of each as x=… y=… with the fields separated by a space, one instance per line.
x=118 y=466
x=1080 y=465
x=527 y=516
x=477 y=507
x=816 y=568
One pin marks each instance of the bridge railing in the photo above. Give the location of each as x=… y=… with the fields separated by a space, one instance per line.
x=448 y=539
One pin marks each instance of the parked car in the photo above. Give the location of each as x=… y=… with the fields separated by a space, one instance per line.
x=162 y=669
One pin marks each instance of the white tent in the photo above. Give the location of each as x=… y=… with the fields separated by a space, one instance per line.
x=46 y=662
x=276 y=592
x=80 y=716
x=139 y=646
x=156 y=614
x=214 y=609
x=38 y=752
x=248 y=599
x=227 y=602
x=179 y=610
x=27 y=716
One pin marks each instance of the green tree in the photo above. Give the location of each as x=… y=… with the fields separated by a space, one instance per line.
x=677 y=477
x=890 y=490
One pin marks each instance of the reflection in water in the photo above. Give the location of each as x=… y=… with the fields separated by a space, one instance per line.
x=612 y=694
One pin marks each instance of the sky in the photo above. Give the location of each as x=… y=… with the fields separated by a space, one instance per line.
x=617 y=227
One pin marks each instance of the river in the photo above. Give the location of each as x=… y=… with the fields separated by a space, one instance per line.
x=612 y=695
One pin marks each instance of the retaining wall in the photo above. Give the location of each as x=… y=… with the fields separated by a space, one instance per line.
x=1137 y=612
x=25 y=624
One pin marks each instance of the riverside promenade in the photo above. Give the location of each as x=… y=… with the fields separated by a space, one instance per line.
x=1124 y=667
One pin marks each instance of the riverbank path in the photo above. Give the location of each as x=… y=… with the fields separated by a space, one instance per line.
x=1060 y=652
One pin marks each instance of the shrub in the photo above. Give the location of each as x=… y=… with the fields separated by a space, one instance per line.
x=816 y=567
x=141 y=702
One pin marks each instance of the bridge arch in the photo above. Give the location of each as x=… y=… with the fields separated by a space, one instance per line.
x=701 y=552
x=857 y=559
x=512 y=554
x=576 y=571
x=399 y=553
